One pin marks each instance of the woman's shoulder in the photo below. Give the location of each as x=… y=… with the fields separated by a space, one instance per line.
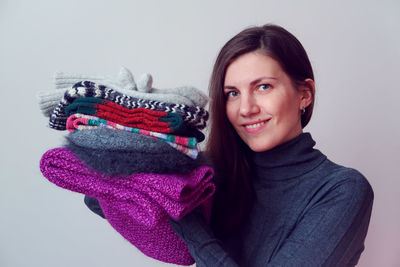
x=347 y=180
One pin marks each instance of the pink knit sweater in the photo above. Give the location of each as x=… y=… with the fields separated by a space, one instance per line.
x=137 y=206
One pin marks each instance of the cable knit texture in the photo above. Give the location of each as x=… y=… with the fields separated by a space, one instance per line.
x=137 y=206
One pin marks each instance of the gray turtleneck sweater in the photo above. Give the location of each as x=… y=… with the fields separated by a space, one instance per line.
x=308 y=211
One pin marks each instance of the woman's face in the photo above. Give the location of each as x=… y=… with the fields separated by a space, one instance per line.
x=261 y=102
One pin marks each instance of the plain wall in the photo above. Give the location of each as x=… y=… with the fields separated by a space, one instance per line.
x=354 y=47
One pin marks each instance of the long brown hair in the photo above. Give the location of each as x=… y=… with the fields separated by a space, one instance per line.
x=225 y=148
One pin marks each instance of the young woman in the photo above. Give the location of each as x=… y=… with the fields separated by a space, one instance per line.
x=279 y=201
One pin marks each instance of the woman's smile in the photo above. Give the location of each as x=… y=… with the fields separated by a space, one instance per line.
x=255 y=127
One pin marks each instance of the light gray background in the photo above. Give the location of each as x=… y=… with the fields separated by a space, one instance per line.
x=353 y=46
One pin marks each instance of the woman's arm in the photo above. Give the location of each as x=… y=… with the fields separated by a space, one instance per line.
x=203 y=246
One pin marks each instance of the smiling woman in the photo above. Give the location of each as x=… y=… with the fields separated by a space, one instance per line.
x=279 y=201
x=262 y=104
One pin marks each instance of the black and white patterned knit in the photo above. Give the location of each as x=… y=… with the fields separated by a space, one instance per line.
x=193 y=116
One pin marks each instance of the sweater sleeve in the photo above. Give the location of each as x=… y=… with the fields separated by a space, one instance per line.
x=202 y=244
x=94 y=205
x=330 y=233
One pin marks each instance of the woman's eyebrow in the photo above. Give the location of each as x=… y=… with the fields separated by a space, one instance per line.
x=229 y=87
x=262 y=78
x=252 y=83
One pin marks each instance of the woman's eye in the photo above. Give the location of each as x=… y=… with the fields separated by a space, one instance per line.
x=264 y=87
x=232 y=94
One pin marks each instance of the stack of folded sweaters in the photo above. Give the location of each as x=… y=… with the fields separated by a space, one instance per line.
x=134 y=149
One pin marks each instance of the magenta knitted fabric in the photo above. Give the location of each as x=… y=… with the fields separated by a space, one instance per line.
x=137 y=206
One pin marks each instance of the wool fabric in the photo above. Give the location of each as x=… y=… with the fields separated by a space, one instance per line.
x=110 y=139
x=78 y=121
x=94 y=205
x=159 y=121
x=48 y=100
x=147 y=119
x=123 y=81
x=138 y=206
x=114 y=162
x=186 y=145
x=125 y=84
x=126 y=152
x=194 y=116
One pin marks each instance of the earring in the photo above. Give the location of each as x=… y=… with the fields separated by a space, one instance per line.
x=303 y=110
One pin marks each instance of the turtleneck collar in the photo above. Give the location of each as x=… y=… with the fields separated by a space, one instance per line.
x=288 y=160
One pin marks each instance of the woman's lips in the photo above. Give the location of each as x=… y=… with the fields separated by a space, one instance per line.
x=254 y=127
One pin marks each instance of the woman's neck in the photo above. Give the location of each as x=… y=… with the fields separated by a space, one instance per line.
x=288 y=160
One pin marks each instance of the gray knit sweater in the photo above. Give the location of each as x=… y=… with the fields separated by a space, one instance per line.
x=308 y=211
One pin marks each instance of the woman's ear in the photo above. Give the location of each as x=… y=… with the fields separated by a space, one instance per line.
x=307 y=92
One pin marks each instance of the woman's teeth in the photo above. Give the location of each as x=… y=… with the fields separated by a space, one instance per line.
x=253 y=126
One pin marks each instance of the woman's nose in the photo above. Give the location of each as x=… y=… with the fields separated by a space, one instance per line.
x=248 y=106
